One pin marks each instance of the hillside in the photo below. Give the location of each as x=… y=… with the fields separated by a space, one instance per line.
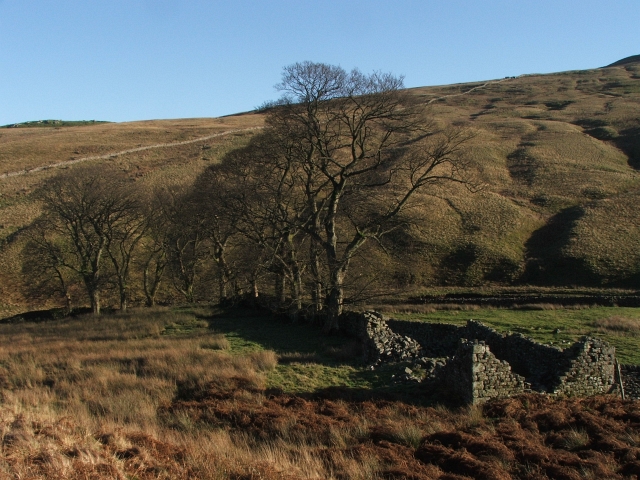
x=626 y=61
x=557 y=154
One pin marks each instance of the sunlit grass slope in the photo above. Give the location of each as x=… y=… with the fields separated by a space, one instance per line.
x=557 y=157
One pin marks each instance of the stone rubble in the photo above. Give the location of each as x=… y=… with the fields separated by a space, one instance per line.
x=475 y=363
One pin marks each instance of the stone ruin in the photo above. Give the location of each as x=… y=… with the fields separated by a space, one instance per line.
x=474 y=363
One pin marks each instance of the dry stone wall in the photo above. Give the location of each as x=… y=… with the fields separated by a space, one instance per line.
x=631 y=380
x=475 y=363
x=379 y=343
x=589 y=369
x=475 y=375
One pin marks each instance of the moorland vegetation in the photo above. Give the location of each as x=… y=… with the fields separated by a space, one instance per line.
x=346 y=189
x=338 y=164
x=551 y=159
x=207 y=393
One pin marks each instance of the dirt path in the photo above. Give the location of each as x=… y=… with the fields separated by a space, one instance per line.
x=491 y=82
x=165 y=145
x=123 y=152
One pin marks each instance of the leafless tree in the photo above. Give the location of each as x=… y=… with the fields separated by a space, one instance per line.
x=123 y=231
x=255 y=188
x=185 y=240
x=154 y=249
x=359 y=141
x=210 y=197
x=82 y=208
x=44 y=263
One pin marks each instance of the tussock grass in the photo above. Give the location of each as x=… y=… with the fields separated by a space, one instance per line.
x=216 y=342
x=574 y=439
x=618 y=324
x=146 y=404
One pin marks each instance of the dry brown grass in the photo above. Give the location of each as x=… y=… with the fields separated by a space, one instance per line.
x=116 y=397
x=619 y=325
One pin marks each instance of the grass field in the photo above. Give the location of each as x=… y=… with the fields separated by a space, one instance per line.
x=557 y=155
x=206 y=393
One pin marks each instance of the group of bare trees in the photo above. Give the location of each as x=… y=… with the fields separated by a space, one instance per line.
x=341 y=160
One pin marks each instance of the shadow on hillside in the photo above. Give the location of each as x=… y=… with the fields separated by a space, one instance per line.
x=522 y=166
x=628 y=141
x=546 y=260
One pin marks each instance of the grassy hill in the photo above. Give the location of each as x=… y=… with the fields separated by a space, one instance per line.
x=53 y=123
x=558 y=156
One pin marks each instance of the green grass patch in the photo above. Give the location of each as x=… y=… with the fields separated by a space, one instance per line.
x=308 y=360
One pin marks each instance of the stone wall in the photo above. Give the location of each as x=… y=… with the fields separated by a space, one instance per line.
x=588 y=369
x=379 y=342
x=535 y=361
x=481 y=363
x=474 y=374
x=631 y=380
x=436 y=339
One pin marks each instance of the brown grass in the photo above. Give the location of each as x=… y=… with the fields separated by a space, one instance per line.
x=618 y=324
x=116 y=397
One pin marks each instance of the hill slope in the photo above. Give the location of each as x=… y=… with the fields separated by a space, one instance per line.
x=625 y=61
x=558 y=155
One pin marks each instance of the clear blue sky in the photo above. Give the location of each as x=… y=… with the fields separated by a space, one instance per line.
x=123 y=60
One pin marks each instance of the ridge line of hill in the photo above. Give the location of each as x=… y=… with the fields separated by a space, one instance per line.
x=123 y=152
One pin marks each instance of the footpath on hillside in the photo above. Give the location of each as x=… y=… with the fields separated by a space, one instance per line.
x=108 y=156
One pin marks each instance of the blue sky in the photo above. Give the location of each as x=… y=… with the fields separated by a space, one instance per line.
x=122 y=60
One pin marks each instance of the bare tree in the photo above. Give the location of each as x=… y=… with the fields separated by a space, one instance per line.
x=359 y=141
x=81 y=206
x=255 y=188
x=44 y=263
x=123 y=230
x=185 y=242
x=210 y=197
x=154 y=250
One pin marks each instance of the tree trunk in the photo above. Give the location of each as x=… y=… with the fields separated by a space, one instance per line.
x=254 y=287
x=67 y=302
x=188 y=293
x=151 y=286
x=297 y=288
x=222 y=284
x=123 y=299
x=334 y=302
x=281 y=289
x=316 y=293
x=94 y=296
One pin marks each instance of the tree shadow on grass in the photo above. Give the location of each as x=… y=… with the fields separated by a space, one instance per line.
x=299 y=345
x=250 y=330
